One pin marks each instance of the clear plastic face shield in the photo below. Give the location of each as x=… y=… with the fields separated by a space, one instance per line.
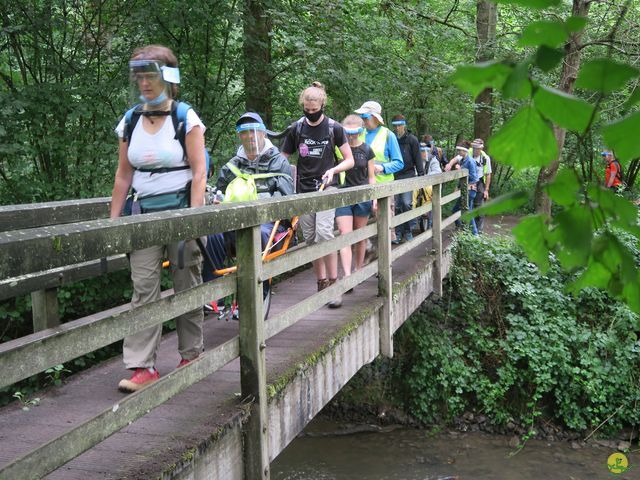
x=424 y=150
x=150 y=81
x=251 y=136
x=399 y=126
x=353 y=133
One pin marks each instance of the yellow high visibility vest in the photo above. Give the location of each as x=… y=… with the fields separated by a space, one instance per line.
x=378 y=146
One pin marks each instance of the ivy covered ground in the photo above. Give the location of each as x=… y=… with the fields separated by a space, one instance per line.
x=510 y=346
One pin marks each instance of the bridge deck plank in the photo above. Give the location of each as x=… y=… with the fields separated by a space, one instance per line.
x=159 y=438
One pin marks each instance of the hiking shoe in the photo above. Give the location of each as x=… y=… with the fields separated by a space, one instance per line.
x=322 y=284
x=408 y=237
x=141 y=378
x=184 y=362
x=337 y=302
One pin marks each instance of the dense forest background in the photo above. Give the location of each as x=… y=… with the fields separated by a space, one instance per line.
x=64 y=82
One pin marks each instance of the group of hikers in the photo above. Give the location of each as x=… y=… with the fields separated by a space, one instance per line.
x=163 y=165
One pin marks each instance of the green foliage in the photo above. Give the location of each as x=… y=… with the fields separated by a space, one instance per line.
x=585 y=231
x=549 y=33
x=605 y=75
x=563 y=109
x=513 y=343
x=525 y=140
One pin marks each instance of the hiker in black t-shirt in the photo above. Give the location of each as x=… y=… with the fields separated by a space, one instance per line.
x=353 y=217
x=315 y=137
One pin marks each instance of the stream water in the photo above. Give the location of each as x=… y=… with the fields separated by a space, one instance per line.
x=322 y=453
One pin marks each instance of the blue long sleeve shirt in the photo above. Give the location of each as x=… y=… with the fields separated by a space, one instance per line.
x=391 y=151
x=470 y=164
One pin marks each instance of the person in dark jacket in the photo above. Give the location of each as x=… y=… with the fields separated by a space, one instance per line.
x=410 y=148
x=255 y=156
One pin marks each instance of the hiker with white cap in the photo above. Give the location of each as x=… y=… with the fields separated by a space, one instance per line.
x=384 y=144
x=483 y=164
x=463 y=160
x=382 y=141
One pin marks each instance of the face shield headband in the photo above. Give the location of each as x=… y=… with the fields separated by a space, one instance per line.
x=397 y=123
x=151 y=81
x=353 y=131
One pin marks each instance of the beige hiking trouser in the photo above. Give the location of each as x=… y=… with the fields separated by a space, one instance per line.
x=140 y=349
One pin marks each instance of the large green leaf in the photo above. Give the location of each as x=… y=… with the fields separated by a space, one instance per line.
x=622 y=137
x=531 y=3
x=548 y=58
x=595 y=275
x=605 y=75
x=475 y=78
x=524 y=141
x=563 y=109
x=531 y=235
x=575 y=23
x=565 y=187
x=573 y=233
x=633 y=98
x=545 y=32
x=504 y=203
x=518 y=84
x=615 y=208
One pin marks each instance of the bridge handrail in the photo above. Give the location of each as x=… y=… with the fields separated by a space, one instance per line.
x=51 y=346
x=33 y=215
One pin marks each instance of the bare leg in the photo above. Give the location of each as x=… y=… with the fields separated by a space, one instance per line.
x=331 y=265
x=359 y=222
x=345 y=225
x=319 y=268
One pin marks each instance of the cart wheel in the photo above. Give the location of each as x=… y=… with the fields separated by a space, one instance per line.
x=422 y=223
x=266 y=305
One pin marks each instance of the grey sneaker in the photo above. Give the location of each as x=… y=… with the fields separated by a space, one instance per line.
x=337 y=302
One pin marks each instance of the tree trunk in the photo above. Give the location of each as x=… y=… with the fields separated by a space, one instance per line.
x=487 y=14
x=568 y=77
x=257 y=59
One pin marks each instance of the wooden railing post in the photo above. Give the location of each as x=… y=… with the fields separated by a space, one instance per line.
x=44 y=308
x=385 y=276
x=253 y=376
x=436 y=214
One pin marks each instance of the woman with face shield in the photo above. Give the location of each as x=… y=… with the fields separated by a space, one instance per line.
x=163 y=162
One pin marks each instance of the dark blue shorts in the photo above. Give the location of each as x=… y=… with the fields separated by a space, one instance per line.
x=362 y=209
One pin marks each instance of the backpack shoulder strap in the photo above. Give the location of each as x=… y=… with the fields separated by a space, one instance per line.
x=179 y=118
x=131 y=118
x=298 y=130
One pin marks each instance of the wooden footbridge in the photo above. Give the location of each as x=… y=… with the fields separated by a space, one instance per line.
x=228 y=414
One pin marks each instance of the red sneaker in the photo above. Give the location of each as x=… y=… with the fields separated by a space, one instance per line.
x=141 y=377
x=184 y=362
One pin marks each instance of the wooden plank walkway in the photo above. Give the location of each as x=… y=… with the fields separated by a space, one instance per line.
x=158 y=440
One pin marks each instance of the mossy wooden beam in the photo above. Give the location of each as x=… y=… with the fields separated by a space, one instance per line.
x=63 y=448
x=34 y=353
x=253 y=369
x=305 y=255
x=24 y=284
x=38 y=249
x=436 y=199
x=32 y=215
x=312 y=303
x=385 y=279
